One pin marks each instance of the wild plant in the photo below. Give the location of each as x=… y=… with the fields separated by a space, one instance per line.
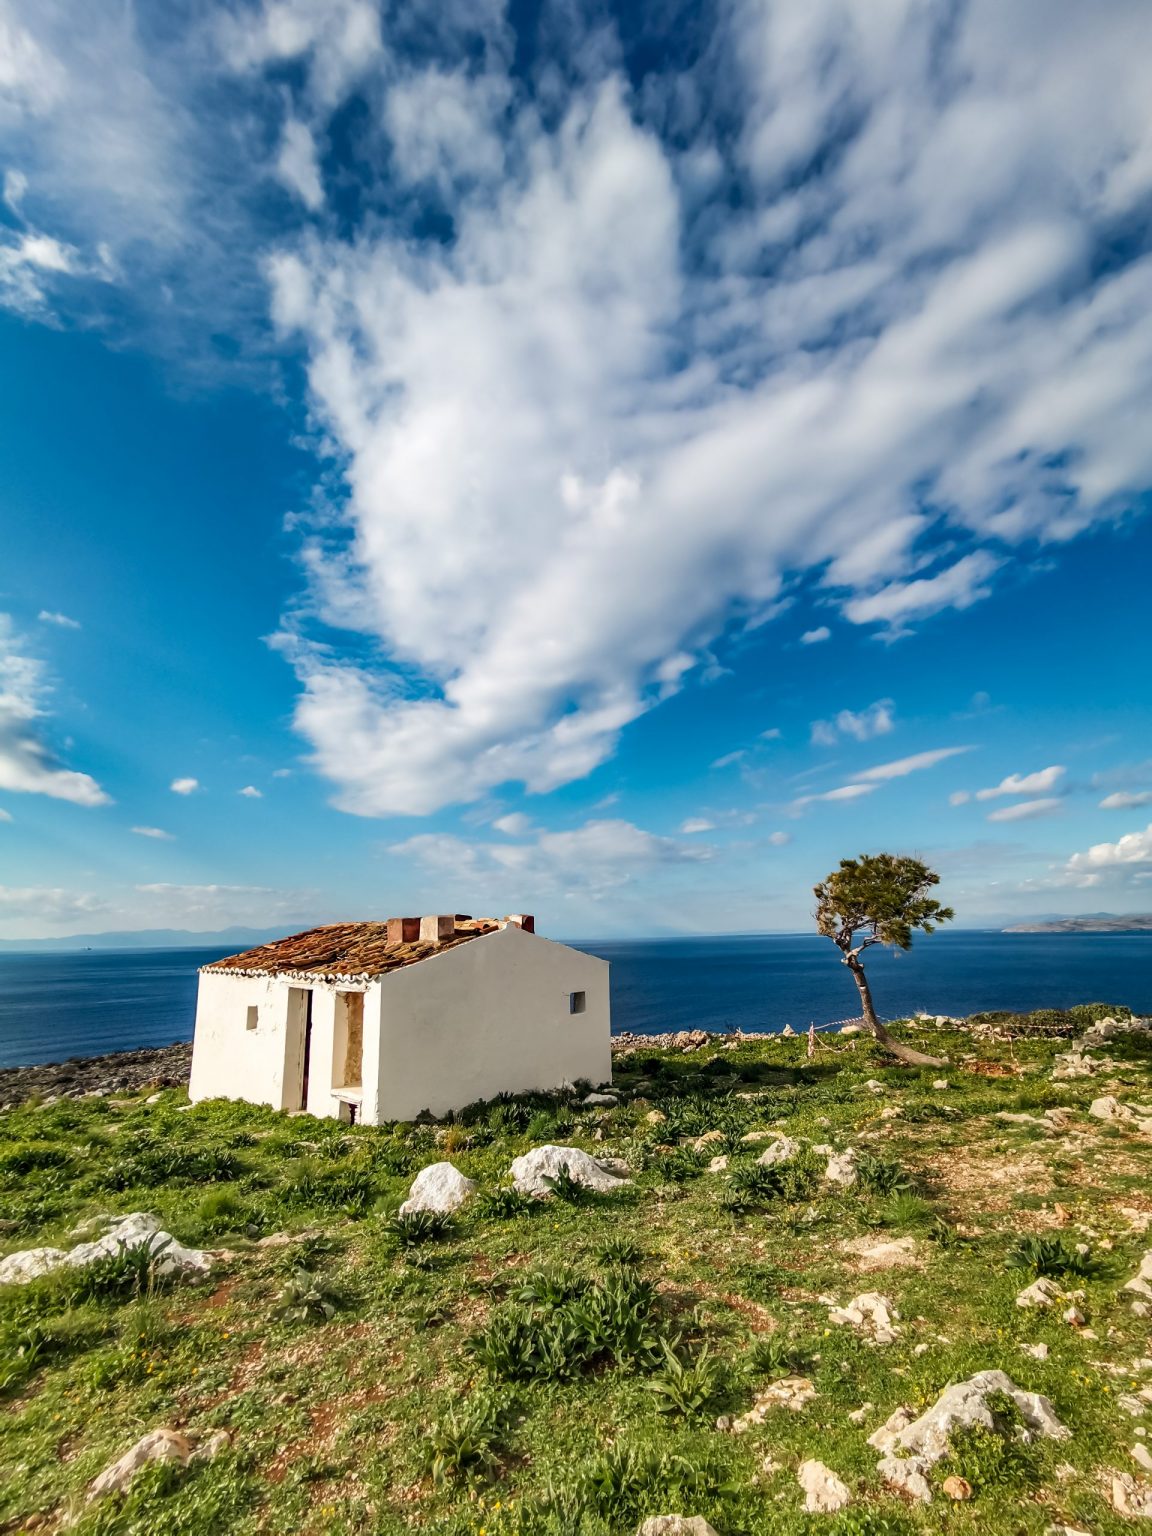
x=503 y=1204
x=566 y=1188
x=622 y=1251
x=1050 y=1255
x=775 y=1355
x=688 y=1386
x=309 y=1298
x=412 y=1228
x=882 y=1175
x=465 y=1441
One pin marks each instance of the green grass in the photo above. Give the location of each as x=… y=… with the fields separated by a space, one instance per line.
x=537 y=1368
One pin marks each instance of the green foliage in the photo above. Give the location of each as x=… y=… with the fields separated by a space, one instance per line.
x=349 y=1189
x=625 y=1479
x=1050 y=1255
x=994 y=1458
x=620 y=1250
x=882 y=1175
x=502 y=1204
x=1051 y=1023
x=564 y=1323
x=775 y=1355
x=752 y=1186
x=413 y=1228
x=688 y=1386
x=309 y=1298
x=566 y=1188
x=883 y=895
x=466 y=1441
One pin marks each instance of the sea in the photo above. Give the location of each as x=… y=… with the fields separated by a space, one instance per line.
x=57 y=1005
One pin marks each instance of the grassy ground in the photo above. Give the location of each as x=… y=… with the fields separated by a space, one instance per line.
x=373 y=1382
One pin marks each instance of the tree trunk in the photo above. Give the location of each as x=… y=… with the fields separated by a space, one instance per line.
x=903 y=1053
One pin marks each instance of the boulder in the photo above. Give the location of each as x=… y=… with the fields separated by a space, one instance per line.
x=873 y=1315
x=962 y=1406
x=439 y=1187
x=1041 y=1293
x=781 y=1151
x=530 y=1172
x=906 y=1473
x=1141 y=1281
x=676 y=1525
x=719 y=1164
x=599 y=1101
x=138 y=1230
x=841 y=1167
x=182 y=1446
x=824 y=1493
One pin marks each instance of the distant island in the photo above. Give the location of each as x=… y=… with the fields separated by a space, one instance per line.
x=1095 y=922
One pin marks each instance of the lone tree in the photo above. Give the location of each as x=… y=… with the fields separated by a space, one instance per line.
x=882 y=899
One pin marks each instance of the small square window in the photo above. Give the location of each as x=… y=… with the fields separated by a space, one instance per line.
x=253 y=1017
x=577 y=1002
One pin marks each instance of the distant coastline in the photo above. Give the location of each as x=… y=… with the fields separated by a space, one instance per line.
x=1100 y=924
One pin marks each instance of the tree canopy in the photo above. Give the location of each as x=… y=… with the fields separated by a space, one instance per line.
x=882 y=896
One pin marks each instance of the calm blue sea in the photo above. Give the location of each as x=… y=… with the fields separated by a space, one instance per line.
x=53 y=1006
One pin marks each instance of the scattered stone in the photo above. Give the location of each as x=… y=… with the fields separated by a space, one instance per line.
x=871 y=1314
x=873 y=1086
x=439 y=1187
x=710 y=1139
x=852 y=1029
x=1142 y=1457
x=792 y=1392
x=1075 y=1317
x=656 y=1117
x=907 y=1474
x=961 y=1406
x=781 y=1151
x=1113 y=1112
x=841 y=1167
x=530 y=1172
x=138 y=1230
x=957 y=1488
x=1131 y=1497
x=940 y=1084
x=788 y=1032
x=1131 y=1404
x=824 y=1493
x=165 y=1066
x=599 y=1101
x=900 y=1253
x=1141 y=1281
x=718 y=1164
x=182 y=1446
x=891 y=1112
x=1037 y=1351
x=858 y=1415
x=676 y=1525
x=1041 y=1293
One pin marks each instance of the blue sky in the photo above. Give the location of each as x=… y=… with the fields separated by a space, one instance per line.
x=604 y=461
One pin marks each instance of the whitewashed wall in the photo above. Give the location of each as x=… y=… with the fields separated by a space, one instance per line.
x=230 y=1061
x=487 y=1017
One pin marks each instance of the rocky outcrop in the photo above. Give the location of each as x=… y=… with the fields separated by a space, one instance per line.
x=167 y=1066
x=531 y=1173
x=182 y=1446
x=963 y=1406
x=824 y=1493
x=139 y=1230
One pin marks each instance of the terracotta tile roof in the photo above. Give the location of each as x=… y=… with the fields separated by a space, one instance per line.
x=342 y=949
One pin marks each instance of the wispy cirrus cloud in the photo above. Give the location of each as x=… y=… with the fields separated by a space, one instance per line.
x=1126 y=799
x=863 y=725
x=1024 y=783
x=1026 y=810
x=916 y=763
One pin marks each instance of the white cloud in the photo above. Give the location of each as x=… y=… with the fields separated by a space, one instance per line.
x=959 y=797
x=47 y=904
x=846 y=792
x=206 y=907
x=60 y=619
x=15 y=186
x=298 y=164
x=589 y=860
x=694 y=824
x=155 y=832
x=1025 y=810
x=1126 y=799
x=184 y=786
x=914 y=764
x=27 y=763
x=515 y=824
x=5 y=815
x=773 y=733
x=250 y=792
x=1024 y=784
x=780 y=839
x=814 y=636
x=957 y=586
x=876 y=720
x=1130 y=855
x=730 y=758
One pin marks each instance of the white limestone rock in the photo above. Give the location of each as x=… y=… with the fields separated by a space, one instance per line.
x=906 y=1473
x=1131 y=1496
x=871 y=1314
x=439 y=1187
x=841 y=1168
x=781 y=1151
x=138 y=1230
x=182 y=1446
x=599 y=1101
x=824 y=1493
x=676 y=1525
x=1141 y=1281
x=530 y=1172
x=1041 y=1293
x=899 y=1253
x=791 y=1392
x=961 y=1406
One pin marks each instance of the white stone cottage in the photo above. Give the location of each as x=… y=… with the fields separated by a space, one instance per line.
x=378 y=1021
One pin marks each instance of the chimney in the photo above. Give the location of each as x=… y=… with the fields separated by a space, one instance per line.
x=402 y=930
x=522 y=920
x=434 y=930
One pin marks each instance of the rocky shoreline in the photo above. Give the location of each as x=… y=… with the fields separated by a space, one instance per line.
x=165 y=1066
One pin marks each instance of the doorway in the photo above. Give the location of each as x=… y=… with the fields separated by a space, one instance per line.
x=299 y=1059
